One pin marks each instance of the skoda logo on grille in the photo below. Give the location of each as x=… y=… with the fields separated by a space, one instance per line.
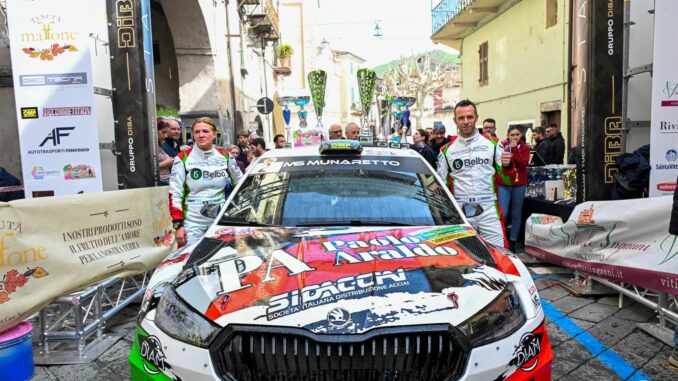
x=338 y=317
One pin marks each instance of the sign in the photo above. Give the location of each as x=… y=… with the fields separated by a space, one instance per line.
x=265 y=105
x=54 y=94
x=131 y=48
x=610 y=239
x=597 y=61
x=664 y=131
x=53 y=246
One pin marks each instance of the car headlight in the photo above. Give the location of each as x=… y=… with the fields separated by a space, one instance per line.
x=499 y=319
x=181 y=322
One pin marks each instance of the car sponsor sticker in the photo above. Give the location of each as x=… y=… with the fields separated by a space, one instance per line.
x=447 y=234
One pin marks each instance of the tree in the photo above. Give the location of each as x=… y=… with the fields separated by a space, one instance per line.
x=418 y=77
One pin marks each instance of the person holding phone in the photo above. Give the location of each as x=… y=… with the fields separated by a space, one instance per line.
x=512 y=189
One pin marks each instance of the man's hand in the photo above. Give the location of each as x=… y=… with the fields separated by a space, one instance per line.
x=180 y=235
x=505 y=159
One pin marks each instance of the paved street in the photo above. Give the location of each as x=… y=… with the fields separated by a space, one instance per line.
x=592 y=339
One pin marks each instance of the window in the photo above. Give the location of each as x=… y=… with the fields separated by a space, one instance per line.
x=551 y=13
x=484 y=75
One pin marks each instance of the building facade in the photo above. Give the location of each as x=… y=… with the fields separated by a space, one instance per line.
x=514 y=58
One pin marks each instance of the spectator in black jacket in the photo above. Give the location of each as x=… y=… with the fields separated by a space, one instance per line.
x=438 y=139
x=420 y=139
x=556 y=151
x=540 y=146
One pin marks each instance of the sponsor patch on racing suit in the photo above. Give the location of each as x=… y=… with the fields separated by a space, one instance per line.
x=200 y=177
x=468 y=166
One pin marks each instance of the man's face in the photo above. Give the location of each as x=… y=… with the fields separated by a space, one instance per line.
x=438 y=136
x=335 y=132
x=174 y=129
x=243 y=141
x=257 y=150
x=489 y=128
x=280 y=142
x=353 y=132
x=465 y=117
x=551 y=132
x=537 y=136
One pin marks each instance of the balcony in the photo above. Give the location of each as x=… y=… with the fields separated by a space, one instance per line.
x=451 y=20
x=262 y=17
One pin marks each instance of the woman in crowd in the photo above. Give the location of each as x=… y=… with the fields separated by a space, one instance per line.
x=420 y=139
x=511 y=195
x=204 y=174
x=164 y=160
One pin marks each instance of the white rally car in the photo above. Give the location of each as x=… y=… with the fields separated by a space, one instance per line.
x=344 y=263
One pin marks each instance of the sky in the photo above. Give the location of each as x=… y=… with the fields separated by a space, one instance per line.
x=349 y=25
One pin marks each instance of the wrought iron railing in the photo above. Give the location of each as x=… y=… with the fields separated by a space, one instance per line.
x=445 y=11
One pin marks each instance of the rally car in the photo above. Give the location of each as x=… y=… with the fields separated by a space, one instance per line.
x=341 y=263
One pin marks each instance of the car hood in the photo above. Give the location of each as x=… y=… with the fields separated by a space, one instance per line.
x=340 y=280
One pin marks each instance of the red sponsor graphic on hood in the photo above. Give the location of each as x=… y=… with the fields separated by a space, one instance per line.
x=532 y=357
x=666 y=187
x=283 y=266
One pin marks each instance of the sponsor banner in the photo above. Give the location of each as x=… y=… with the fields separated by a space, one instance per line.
x=54 y=94
x=611 y=239
x=597 y=55
x=50 y=247
x=134 y=92
x=664 y=131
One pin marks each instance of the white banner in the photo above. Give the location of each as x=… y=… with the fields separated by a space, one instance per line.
x=664 y=133
x=54 y=95
x=624 y=241
x=52 y=246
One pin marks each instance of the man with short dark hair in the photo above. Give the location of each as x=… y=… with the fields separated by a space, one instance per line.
x=352 y=131
x=468 y=164
x=490 y=127
x=258 y=146
x=279 y=141
x=556 y=151
x=173 y=143
x=335 y=132
x=541 y=146
x=243 y=142
x=438 y=138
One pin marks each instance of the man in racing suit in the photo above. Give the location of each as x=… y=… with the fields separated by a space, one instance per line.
x=468 y=164
x=199 y=176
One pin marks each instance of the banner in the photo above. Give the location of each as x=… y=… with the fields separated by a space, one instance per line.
x=53 y=88
x=53 y=246
x=613 y=240
x=131 y=47
x=597 y=60
x=664 y=132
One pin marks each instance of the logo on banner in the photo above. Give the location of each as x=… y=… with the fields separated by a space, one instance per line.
x=79 y=172
x=671 y=91
x=29 y=113
x=667 y=127
x=59 y=79
x=666 y=187
x=66 y=111
x=50 y=41
x=671 y=155
x=39 y=173
x=56 y=135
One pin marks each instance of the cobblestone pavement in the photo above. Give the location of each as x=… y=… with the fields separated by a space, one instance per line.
x=597 y=318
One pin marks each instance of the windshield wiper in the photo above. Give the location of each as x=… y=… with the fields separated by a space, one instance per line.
x=353 y=223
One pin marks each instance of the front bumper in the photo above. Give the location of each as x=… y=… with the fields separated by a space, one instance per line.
x=525 y=355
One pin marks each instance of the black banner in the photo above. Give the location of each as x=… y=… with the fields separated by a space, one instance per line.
x=597 y=75
x=131 y=47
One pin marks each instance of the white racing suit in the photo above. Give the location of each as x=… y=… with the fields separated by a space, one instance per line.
x=200 y=177
x=468 y=166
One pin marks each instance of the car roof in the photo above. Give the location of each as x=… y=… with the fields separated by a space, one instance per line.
x=312 y=151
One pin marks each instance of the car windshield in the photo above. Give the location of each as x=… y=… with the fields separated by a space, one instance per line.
x=341 y=195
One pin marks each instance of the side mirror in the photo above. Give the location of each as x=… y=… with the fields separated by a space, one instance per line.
x=472 y=209
x=210 y=210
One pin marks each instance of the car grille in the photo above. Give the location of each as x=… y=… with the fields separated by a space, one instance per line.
x=281 y=354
